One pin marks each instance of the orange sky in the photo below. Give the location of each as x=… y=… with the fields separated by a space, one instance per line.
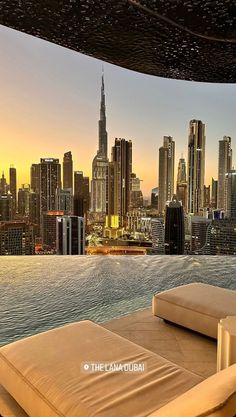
x=50 y=101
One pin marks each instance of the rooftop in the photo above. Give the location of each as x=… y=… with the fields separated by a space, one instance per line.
x=188 y=349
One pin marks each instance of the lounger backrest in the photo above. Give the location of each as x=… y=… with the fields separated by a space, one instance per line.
x=214 y=397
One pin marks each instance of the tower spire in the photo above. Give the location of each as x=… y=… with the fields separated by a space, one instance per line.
x=102 y=133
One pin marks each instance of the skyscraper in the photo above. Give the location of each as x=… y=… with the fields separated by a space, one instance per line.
x=196 y=166
x=166 y=172
x=206 y=196
x=230 y=194
x=16 y=238
x=50 y=180
x=181 y=175
x=3 y=185
x=120 y=171
x=64 y=200
x=49 y=222
x=99 y=203
x=182 y=187
x=34 y=216
x=6 y=207
x=214 y=189
x=70 y=234
x=23 y=200
x=224 y=166
x=158 y=235
x=35 y=178
x=154 y=198
x=81 y=194
x=174 y=228
x=68 y=171
x=13 y=187
x=136 y=196
x=199 y=228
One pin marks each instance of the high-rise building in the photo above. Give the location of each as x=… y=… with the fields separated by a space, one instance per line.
x=50 y=180
x=206 y=196
x=99 y=183
x=154 y=198
x=174 y=228
x=34 y=215
x=13 y=187
x=230 y=195
x=199 y=228
x=158 y=235
x=24 y=200
x=35 y=178
x=68 y=171
x=224 y=166
x=181 y=175
x=6 y=207
x=138 y=221
x=120 y=189
x=136 y=197
x=81 y=194
x=214 y=189
x=182 y=187
x=16 y=238
x=70 y=235
x=196 y=166
x=3 y=185
x=49 y=229
x=166 y=172
x=182 y=192
x=64 y=200
x=222 y=237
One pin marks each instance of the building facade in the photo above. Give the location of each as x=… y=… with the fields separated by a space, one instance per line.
x=230 y=195
x=214 y=192
x=49 y=220
x=120 y=171
x=50 y=181
x=81 y=194
x=68 y=171
x=13 y=188
x=64 y=200
x=166 y=172
x=224 y=166
x=70 y=235
x=24 y=200
x=174 y=228
x=181 y=186
x=158 y=236
x=6 y=207
x=196 y=166
x=16 y=238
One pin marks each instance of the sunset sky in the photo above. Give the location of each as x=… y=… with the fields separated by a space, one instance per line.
x=49 y=104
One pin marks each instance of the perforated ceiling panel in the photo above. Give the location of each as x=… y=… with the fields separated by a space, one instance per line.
x=191 y=39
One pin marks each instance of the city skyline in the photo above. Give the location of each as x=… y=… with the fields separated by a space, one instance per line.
x=36 y=75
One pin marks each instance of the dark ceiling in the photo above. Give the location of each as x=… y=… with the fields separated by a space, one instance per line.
x=189 y=39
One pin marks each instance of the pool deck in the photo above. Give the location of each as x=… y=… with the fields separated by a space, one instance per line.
x=188 y=349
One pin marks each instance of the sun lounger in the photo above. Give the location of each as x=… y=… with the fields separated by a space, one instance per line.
x=45 y=375
x=195 y=306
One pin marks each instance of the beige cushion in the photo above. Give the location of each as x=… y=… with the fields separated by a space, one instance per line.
x=196 y=306
x=8 y=406
x=43 y=373
x=214 y=397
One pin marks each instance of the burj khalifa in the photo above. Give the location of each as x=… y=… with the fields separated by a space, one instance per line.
x=100 y=163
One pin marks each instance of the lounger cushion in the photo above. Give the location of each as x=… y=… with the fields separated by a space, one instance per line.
x=43 y=373
x=196 y=306
x=8 y=406
x=214 y=397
